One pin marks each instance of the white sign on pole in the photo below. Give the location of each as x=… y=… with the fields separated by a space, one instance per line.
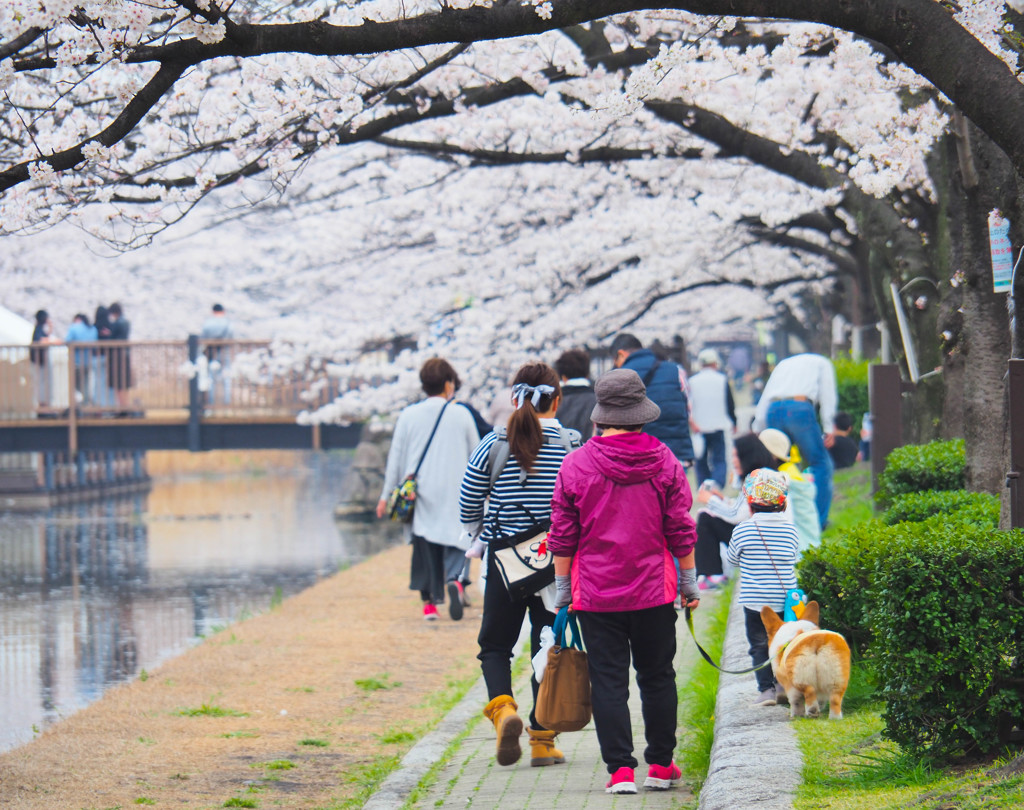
x=1002 y=251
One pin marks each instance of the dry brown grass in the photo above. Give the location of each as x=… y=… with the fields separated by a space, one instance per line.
x=293 y=672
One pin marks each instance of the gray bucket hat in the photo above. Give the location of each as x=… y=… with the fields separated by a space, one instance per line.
x=622 y=400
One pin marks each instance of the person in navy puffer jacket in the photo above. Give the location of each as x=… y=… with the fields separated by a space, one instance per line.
x=620 y=518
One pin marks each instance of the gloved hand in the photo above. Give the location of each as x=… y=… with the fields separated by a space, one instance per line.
x=688 y=585
x=563 y=588
x=476 y=550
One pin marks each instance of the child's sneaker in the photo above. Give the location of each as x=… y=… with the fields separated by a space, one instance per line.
x=621 y=782
x=663 y=777
x=430 y=612
x=702 y=582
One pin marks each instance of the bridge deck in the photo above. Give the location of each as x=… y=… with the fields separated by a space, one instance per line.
x=183 y=395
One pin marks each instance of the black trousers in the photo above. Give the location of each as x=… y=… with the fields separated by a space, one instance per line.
x=432 y=566
x=499 y=631
x=757 y=638
x=711 y=532
x=610 y=638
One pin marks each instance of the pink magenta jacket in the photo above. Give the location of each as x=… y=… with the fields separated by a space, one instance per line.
x=621 y=510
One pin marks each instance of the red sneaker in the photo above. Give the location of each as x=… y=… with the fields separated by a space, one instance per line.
x=430 y=611
x=621 y=782
x=663 y=777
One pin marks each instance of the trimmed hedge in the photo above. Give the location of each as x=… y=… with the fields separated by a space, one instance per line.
x=978 y=508
x=947 y=609
x=838 y=574
x=918 y=467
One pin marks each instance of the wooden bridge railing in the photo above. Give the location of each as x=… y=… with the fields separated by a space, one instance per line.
x=166 y=380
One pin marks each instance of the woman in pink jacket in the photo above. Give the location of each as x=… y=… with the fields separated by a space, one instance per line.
x=620 y=517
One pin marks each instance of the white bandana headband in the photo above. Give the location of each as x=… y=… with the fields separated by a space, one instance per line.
x=521 y=391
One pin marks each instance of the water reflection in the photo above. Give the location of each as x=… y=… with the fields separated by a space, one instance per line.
x=92 y=594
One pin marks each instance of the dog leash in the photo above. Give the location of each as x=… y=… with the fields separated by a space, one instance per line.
x=703 y=652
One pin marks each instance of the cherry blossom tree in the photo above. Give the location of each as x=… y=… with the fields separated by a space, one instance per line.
x=156 y=112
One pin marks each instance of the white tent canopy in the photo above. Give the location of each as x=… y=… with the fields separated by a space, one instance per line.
x=14 y=328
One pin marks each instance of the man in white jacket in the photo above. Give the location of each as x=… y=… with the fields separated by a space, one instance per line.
x=800 y=399
x=712 y=413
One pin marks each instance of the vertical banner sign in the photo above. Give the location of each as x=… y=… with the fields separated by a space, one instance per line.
x=1002 y=251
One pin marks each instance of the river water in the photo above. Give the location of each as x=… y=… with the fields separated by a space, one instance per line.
x=93 y=594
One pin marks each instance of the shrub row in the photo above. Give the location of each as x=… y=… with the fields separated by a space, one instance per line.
x=918 y=467
x=977 y=508
x=933 y=595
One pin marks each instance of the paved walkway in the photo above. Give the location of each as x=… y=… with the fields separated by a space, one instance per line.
x=754 y=762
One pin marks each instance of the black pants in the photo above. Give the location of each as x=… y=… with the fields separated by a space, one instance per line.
x=433 y=565
x=499 y=631
x=711 y=532
x=610 y=638
x=757 y=637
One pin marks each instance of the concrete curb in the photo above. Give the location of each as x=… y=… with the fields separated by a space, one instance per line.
x=396 y=789
x=755 y=761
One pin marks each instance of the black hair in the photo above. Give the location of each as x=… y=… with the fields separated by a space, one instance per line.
x=624 y=340
x=573 y=363
x=843 y=421
x=630 y=428
x=525 y=435
x=435 y=373
x=753 y=454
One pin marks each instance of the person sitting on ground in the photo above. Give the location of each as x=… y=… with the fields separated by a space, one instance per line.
x=718 y=515
x=578 y=396
x=619 y=515
x=518 y=499
x=841 y=446
x=801 y=505
x=764 y=549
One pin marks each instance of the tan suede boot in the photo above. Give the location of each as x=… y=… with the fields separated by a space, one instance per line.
x=542 y=748
x=509 y=726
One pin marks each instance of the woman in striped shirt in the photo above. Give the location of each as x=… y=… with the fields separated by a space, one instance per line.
x=764 y=548
x=519 y=498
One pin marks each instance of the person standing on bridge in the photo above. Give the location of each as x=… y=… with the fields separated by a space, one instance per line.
x=119 y=359
x=438 y=549
x=217 y=327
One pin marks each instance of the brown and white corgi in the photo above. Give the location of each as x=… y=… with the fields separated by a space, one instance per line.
x=808 y=662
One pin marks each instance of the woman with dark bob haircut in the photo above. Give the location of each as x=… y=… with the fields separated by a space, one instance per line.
x=443 y=438
x=716 y=519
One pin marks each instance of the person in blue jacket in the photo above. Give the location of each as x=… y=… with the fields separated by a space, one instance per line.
x=664 y=382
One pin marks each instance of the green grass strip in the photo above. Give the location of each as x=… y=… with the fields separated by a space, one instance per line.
x=697 y=695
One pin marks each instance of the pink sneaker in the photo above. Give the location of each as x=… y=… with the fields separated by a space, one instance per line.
x=430 y=611
x=663 y=777
x=621 y=782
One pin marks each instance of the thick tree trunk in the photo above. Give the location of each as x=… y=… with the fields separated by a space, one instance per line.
x=986 y=334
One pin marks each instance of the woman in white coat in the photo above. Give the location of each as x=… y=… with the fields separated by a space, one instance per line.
x=438 y=549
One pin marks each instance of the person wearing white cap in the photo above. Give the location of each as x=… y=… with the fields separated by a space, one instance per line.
x=712 y=412
x=800 y=506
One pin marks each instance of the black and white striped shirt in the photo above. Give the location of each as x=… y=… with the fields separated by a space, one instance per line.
x=767 y=567
x=513 y=507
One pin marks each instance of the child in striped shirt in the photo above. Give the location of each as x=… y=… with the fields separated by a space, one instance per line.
x=764 y=548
